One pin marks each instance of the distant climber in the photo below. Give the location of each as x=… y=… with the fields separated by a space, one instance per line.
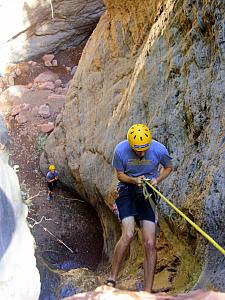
x=52 y=179
x=137 y=158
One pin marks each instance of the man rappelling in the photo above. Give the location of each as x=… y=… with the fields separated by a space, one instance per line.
x=135 y=159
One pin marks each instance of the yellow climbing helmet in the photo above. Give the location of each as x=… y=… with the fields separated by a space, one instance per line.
x=51 y=168
x=139 y=137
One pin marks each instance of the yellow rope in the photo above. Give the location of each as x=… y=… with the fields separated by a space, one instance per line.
x=203 y=233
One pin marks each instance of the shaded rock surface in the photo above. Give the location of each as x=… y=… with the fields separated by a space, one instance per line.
x=32 y=28
x=59 y=285
x=17 y=261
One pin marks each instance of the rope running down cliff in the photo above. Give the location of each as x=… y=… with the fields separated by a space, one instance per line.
x=202 y=232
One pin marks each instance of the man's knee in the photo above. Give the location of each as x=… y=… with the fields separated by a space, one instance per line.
x=149 y=244
x=127 y=237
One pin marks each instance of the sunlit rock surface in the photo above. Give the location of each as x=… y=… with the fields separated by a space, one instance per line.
x=104 y=292
x=35 y=27
x=161 y=63
x=19 y=277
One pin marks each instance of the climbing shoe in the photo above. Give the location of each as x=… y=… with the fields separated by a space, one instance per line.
x=50 y=198
x=111 y=282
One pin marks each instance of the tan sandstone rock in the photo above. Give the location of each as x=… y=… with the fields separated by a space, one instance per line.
x=161 y=63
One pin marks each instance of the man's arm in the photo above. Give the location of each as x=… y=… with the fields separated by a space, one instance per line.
x=128 y=179
x=164 y=173
x=52 y=180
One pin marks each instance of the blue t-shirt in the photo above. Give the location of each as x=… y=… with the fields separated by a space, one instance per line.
x=125 y=160
x=51 y=176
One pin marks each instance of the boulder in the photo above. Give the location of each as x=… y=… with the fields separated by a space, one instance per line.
x=47 y=58
x=44 y=111
x=54 y=63
x=59 y=90
x=21 y=119
x=35 y=111
x=25 y=106
x=56 y=96
x=13 y=93
x=18 y=72
x=46 y=76
x=48 y=85
x=46 y=128
x=15 y=110
x=58 y=83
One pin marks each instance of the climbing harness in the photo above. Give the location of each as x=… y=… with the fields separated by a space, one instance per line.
x=202 y=232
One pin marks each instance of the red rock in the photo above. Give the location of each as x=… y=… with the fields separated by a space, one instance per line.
x=58 y=82
x=47 y=58
x=18 y=72
x=59 y=90
x=46 y=76
x=30 y=85
x=46 y=128
x=48 y=64
x=54 y=63
x=15 y=110
x=44 y=111
x=21 y=119
x=48 y=85
x=16 y=91
x=56 y=96
x=35 y=111
x=25 y=106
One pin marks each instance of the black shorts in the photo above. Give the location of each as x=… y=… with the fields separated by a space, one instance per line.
x=52 y=185
x=131 y=202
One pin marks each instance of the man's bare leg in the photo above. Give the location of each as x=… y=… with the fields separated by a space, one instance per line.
x=149 y=240
x=122 y=245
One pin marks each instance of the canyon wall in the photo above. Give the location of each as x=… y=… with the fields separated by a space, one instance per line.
x=161 y=63
x=33 y=28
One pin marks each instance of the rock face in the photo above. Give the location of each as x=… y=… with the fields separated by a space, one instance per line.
x=105 y=292
x=163 y=64
x=19 y=277
x=32 y=28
